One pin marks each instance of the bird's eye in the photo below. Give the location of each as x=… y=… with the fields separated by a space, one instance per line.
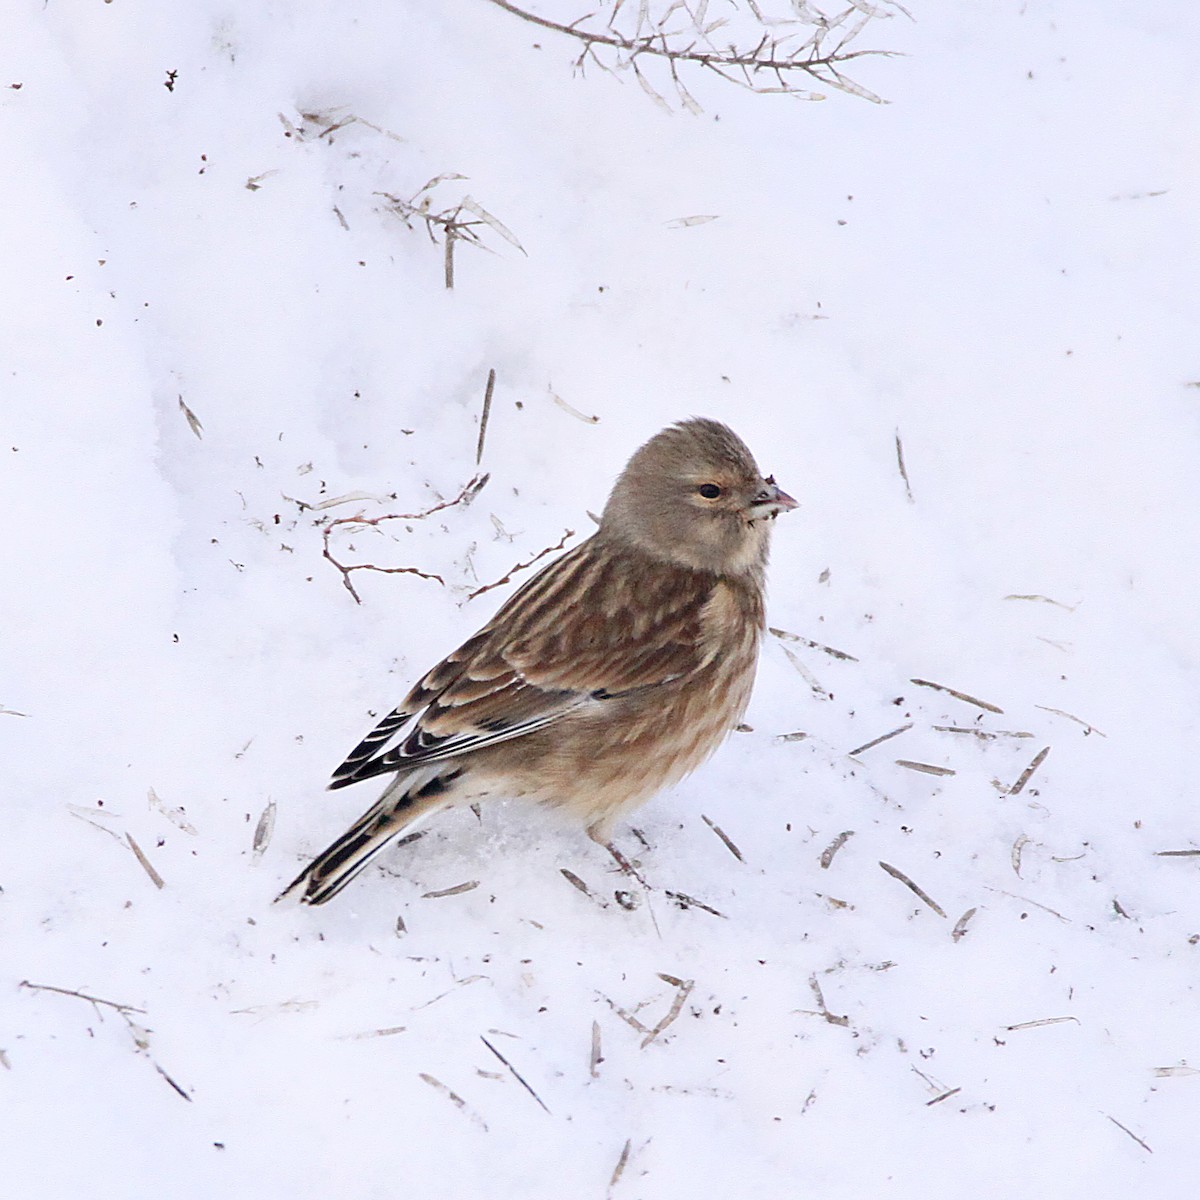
x=710 y=491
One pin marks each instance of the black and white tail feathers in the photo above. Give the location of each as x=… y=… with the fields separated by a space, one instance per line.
x=407 y=800
x=358 y=762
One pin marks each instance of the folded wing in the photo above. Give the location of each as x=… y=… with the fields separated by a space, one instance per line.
x=588 y=629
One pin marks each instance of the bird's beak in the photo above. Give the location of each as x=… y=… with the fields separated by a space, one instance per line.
x=771 y=500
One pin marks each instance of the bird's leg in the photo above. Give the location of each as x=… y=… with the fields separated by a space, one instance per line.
x=618 y=856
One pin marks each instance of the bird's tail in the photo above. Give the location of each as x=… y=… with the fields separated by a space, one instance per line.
x=407 y=800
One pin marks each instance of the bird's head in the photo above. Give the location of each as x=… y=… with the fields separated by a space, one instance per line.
x=694 y=495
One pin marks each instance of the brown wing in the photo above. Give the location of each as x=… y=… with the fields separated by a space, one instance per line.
x=592 y=626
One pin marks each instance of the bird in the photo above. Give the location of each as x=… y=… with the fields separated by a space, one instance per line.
x=610 y=674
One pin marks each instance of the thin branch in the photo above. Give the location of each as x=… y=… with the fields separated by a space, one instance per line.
x=770 y=55
x=524 y=566
x=515 y=1073
x=468 y=493
x=47 y=987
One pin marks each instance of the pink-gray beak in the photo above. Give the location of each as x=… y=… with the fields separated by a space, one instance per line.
x=771 y=500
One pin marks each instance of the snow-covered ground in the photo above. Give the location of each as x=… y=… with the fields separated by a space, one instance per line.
x=996 y=268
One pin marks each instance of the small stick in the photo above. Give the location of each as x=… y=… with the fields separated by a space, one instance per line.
x=783 y=635
x=1045 y=600
x=457 y=890
x=264 y=829
x=580 y=886
x=172 y=1082
x=515 y=1073
x=1026 y=899
x=48 y=987
x=1176 y=853
x=626 y=866
x=455 y=1099
x=1039 y=1023
x=1133 y=1135
x=984 y=735
x=1027 y=774
x=1017 y=847
x=925 y=768
x=813 y=682
x=903 y=471
x=943 y=1096
x=195 y=426
x=685 y=901
x=448 y=258
x=883 y=737
x=823 y=1008
x=487 y=587
x=487 y=412
x=941 y=687
x=1058 y=712
x=912 y=887
x=597 y=1058
x=683 y=991
x=470 y=490
x=833 y=847
x=728 y=840
x=374 y=1033
x=960 y=927
x=573 y=411
x=625 y=1015
x=619 y=1169
x=155 y=877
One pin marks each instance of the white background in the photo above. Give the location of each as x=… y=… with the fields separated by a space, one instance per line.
x=998 y=266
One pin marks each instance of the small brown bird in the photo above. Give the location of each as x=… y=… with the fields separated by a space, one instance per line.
x=610 y=674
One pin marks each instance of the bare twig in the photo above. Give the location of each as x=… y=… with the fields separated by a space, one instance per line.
x=456 y=890
x=1039 y=1023
x=823 y=1008
x=1058 y=712
x=1018 y=848
x=883 y=737
x=1126 y=1129
x=619 y=1169
x=683 y=990
x=524 y=566
x=924 y=768
x=772 y=65
x=629 y=1018
x=685 y=902
x=59 y=991
x=785 y=636
x=580 y=886
x=596 y=1057
x=487 y=412
x=455 y=1099
x=448 y=257
x=834 y=846
x=1027 y=774
x=192 y=420
x=941 y=687
x=468 y=493
x=155 y=877
x=984 y=735
x=960 y=926
x=567 y=408
x=919 y=892
x=515 y=1073
x=903 y=470
x=264 y=829
x=724 y=837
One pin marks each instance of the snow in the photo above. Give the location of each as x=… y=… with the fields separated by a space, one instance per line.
x=996 y=267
